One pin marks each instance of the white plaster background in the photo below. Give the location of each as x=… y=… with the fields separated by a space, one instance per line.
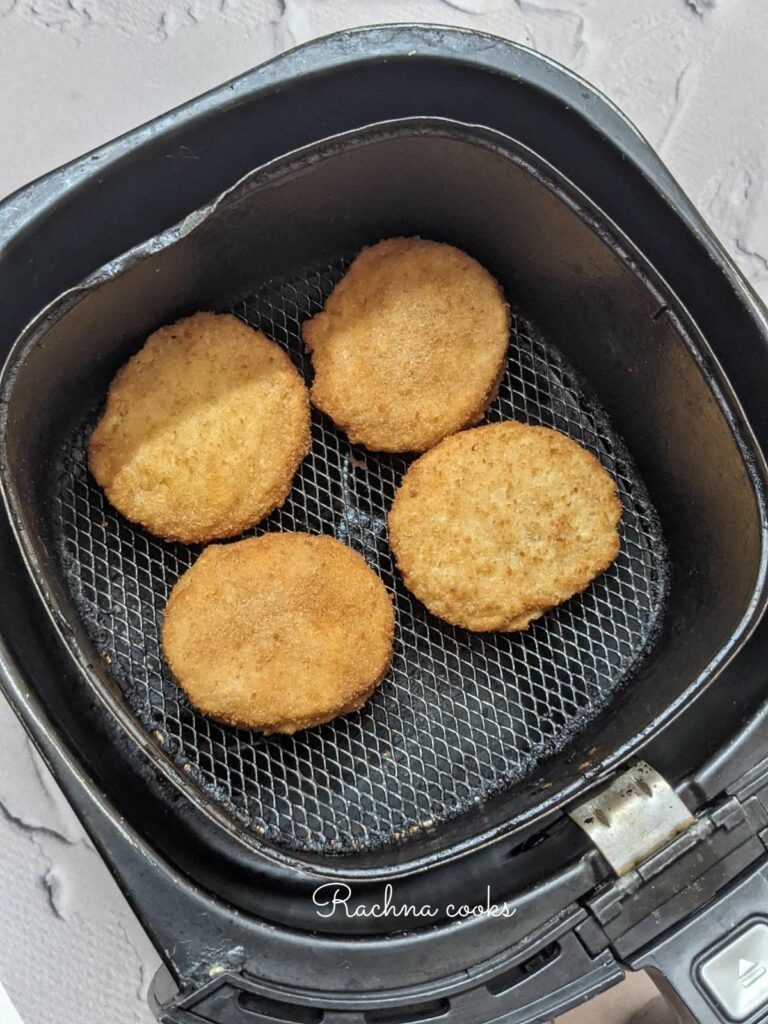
x=691 y=74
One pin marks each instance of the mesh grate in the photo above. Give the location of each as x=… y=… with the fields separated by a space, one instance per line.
x=460 y=715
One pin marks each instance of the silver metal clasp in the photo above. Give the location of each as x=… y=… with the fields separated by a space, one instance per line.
x=634 y=816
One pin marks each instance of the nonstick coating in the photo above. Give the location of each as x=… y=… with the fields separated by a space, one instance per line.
x=459 y=715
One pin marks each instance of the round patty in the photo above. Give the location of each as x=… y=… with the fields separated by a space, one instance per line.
x=410 y=345
x=496 y=525
x=202 y=431
x=280 y=632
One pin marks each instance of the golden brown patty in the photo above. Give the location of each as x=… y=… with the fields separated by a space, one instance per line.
x=279 y=632
x=202 y=431
x=496 y=525
x=410 y=346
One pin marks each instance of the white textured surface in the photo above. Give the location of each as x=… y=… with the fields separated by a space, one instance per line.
x=693 y=76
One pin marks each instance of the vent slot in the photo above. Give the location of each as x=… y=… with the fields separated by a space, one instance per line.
x=409 y=1014
x=508 y=979
x=275 y=1009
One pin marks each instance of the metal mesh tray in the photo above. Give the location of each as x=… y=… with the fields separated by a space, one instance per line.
x=460 y=715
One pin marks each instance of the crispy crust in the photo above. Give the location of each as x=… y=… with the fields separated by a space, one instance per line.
x=202 y=431
x=410 y=346
x=279 y=632
x=497 y=525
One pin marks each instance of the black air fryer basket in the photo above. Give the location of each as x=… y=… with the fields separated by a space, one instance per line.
x=632 y=333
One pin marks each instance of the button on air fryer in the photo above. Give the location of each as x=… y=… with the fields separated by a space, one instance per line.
x=736 y=976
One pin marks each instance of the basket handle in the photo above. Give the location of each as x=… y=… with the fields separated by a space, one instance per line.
x=714 y=968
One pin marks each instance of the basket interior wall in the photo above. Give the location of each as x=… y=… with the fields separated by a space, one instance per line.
x=492 y=708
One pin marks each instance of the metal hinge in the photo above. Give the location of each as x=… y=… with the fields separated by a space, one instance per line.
x=633 y=817
x=669 y=862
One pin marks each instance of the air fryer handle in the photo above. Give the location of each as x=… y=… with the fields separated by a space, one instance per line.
x=714 y=968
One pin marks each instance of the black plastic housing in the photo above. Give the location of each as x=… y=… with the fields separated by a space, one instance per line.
x=58 y=230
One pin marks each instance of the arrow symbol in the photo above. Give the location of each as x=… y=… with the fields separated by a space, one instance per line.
x=750 y=972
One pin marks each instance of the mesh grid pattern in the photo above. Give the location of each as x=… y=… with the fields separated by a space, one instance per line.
x=459 y=715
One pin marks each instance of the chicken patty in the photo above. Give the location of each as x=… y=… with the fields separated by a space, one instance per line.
x=410 y=346
x=279 y=632
x=497 y=525
x=202 y=431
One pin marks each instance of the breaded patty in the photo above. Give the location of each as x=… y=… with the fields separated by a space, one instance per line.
x=202 y=431
x=498 y=524
x=280 y=632
x=410 y=345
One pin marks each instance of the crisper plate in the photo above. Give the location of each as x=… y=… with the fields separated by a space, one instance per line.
x=459 y=715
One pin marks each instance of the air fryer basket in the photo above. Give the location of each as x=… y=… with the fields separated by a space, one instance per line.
x=460 y=716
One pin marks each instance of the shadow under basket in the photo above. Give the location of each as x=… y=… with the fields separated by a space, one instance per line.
x=467 y=730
